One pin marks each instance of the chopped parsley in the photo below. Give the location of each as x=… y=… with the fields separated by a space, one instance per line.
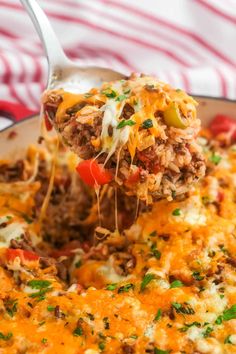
x=228 y=340
x=197 y=276
x=230 y=314
x=44 y=340
x=176 y=284
x=121 y=98
x=124 y=123
x=176 y=212
x=184 y=309
x=87 y=95
x=101 y=345
x=39 y=284
x=158 y=315
x=109 y=93
x=188 y=325
x=153 y=233
x=147 y=124
x=126 y=288
x=50 y=308
x=111 y=286
x=11 y=306
x=155 y=252
x=27 y=218
x=160 y=351
x=78 y=331
x=207 y=332
x=127 y=91
x=215 y=159
x=42 y=285
x=146 y=280
x=6 y=336
x=134 y=336
x=9 y=217
x=78 y=264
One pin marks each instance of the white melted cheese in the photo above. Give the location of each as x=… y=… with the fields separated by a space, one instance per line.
x=192 y=212
x=12 y=231
x=109 y=273
x=111 y=118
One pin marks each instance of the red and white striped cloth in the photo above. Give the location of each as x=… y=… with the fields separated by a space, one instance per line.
x=188 y=43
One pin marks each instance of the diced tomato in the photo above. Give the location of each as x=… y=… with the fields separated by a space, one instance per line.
x=223 y=124
x=47 y=122
x=22 y=254
x=134 y=177
x=92 y=173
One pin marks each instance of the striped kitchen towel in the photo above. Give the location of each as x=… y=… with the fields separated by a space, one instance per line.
x=188 y=43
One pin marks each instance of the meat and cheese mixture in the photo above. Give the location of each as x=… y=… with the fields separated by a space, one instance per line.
x=165 y=283
x=139 y=134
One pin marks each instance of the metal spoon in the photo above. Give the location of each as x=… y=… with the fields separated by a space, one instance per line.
x=64 y=73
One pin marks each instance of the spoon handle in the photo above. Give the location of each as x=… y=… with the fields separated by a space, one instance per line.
x=56 y=57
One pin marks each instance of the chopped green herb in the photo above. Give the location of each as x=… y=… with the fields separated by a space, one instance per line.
x=41 y=323
x=106 y=323
x=121 y=98
x=176 y=284
x=146 y=280
x=219 y=320
x=39 y=284
x=109 y=93
x=188 y=325
x=184 y=309
x=197 y=276
x=125 y=288
x=127 y=91
x=176 y=212
x=11 y=306
x=155 y=252
x=178 y=90
x=134 y=336
x=230 y=314
x=111 y=286
x=158 y=315
x=222 y=296
x=147 y=124
x=228 y=340
x=78 y=332
x=50 y=308
x=223 y=249
x=40 y=295
x=78 y=264
x=27 y=218
x=9 y=217
x=87 y=95
x=215 y=159
x=44 y=340
x=6 y=336
x=153 y=233
x=160 y=351
x=101 y=345
x=207 y=332
x=124 y=123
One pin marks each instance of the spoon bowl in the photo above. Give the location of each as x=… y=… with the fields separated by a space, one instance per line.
x=64 y=73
